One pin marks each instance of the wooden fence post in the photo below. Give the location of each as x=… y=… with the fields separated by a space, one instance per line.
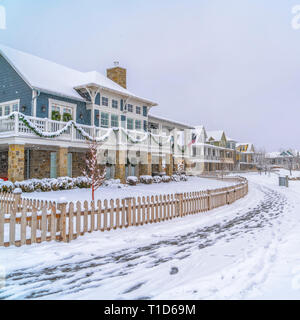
x=179 y=204
x=17 y=195
x=129 y=218
x=210 y=206
x=62 y=207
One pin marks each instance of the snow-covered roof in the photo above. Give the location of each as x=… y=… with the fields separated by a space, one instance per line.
x=249 y=145
x=51 y=77
x=172 y=122
x=216 y=135
x=282 y=154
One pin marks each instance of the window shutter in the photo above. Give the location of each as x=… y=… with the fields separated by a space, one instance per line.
x=122 y=105
x=145 y=125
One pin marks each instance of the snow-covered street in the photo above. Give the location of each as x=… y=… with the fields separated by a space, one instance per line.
x=248 y=250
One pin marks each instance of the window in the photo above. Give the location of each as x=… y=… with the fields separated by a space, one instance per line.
x=104 y=120
x=145 y=111
x=61 y=109
x=115 y=104
x=138 y=124
x=7 y=108
x=129 y=124
x=138 y=110
x=69 y=164
x=105 y=101
x=114 y=120
x=53 y=171
x=130 y=108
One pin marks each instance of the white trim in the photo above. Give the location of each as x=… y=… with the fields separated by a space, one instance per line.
x=34 y=96
x=73 y=106
x=10 y=104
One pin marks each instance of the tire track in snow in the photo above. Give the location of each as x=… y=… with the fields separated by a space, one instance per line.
x=73 y=277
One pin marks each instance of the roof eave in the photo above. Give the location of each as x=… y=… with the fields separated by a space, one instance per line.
x=153 y=104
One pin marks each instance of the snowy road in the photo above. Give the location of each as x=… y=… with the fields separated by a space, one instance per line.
x=226 y=253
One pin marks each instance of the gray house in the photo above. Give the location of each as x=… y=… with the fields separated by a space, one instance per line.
x=49 y=95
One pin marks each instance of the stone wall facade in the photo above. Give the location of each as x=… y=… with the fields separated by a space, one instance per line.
x=16 y=162
x=3 y=164
x=39 y=164
x=78 y=163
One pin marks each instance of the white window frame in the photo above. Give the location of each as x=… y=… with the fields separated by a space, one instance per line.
x=132 y=123
x=112 y=104
x=10 y=104
x=115 y=115
x=108 y=120
x=135 y=122
x=104 y=105
x=62 y=104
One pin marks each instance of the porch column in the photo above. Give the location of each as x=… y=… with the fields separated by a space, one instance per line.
x=160 y=164
x=169 y=164
x=62 y=162
x=16 y=162
x=146 y=164
x=120 y=165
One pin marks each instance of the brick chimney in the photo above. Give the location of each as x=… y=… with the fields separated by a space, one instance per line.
x=118 y=75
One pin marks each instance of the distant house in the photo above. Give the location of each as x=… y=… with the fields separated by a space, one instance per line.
x=246 y=156
x=288 y=159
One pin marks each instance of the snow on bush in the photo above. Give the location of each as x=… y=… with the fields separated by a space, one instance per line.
x=166 y=179
x=183 y=177
x=6 y=186
x=146 y=179
x=175 y=178
x=111 y=182
x=157 y=179
x=132 y=180
x=61 y=183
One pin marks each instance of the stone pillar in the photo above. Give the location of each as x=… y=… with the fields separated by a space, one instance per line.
x=62 y=162
x=16 y=162
x=120 y=165
x=146 y=164
x=169 y=164
x=160 y=164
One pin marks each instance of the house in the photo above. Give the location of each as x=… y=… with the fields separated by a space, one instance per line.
x=288 y=159
x=49 y=112
x=49 y=95
x=175 y=138
x=246 y=156
x=210 y=152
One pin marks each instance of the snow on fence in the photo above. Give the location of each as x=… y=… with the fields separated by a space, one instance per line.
x=24 y=222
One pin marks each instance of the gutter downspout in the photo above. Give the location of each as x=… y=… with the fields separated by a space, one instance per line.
x=33 y=100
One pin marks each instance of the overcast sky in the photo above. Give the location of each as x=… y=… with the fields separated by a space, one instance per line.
x=232 y=65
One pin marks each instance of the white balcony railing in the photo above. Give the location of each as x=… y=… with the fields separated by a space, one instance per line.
x=15 y=127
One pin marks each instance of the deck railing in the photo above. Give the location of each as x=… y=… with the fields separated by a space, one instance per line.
x=25 y=222
x=14 y=127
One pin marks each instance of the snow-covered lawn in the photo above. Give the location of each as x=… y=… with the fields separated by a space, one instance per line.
x=284 y=172
x=248 y=250
x=114 y=192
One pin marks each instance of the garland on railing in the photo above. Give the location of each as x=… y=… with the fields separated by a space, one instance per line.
x=30 y=125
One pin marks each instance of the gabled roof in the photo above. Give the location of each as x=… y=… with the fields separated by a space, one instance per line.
x=174 y=123
x=215 y=135
x=48 y=76
x=249 y=145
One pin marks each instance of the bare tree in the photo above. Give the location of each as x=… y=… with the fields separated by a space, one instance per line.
x=92 y=170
